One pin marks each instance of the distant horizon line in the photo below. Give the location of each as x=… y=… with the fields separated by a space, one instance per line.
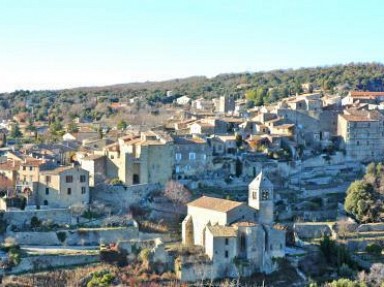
x=100 y=86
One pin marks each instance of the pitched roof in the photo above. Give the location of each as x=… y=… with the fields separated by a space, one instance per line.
x=10 y=165
x=354 y=115
x=57 y=170
x=222 y=231
x=213 y=203
x=261 y=181
x=366 y=94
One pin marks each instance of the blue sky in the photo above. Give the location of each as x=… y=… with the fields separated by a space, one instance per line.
x=48 y=44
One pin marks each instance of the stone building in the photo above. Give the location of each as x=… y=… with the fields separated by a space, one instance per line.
x=192 y=157
x=141 y=159
x=63 y=187
x=234 y=234
x=225 y=104
x=362 y=134
x=95 y=165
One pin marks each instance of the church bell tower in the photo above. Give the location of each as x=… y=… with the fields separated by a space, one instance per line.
x=260 y=197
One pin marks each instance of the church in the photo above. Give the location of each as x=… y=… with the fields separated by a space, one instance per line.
x=235 y=234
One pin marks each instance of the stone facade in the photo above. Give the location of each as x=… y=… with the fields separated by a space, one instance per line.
x=141 y=159
x=233 y=234
x=192 y=157
x=362 y=134
x=63 y=187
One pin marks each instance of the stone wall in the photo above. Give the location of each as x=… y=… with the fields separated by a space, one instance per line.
x=121 y=197
x=44 y=262
x=83 y=236
x=21 y=217
x=370 y=227
x=311 y=230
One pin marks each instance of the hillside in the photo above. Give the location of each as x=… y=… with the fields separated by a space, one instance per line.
x=261 y=87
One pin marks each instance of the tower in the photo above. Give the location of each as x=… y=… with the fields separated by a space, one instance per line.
x=260 y=197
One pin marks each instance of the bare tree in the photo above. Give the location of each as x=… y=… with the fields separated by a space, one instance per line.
x=178 y=194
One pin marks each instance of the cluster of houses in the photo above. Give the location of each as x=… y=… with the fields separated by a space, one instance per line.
x=201 y=144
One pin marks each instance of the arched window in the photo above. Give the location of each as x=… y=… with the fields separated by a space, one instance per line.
x=45 y=202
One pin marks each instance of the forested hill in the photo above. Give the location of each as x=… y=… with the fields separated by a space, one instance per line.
x=261 y=87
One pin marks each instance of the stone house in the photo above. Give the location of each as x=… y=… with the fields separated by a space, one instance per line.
x=222 y=145
x=63 y=187
x=95 y=165
x=202 y=127
x=224 y=104
x=183 y=100
x=362 y=97
x=193 y=157
x=202 y=105
x=9 y=170
x=141 y=159
x=231 y=232
x=362 y=134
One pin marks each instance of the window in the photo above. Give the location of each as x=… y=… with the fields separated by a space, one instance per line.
x=178 y=156
x=226 y=254
x=254 y=195
x=83 y=190
x=177 y=169
x=69 y=191
x=31 y=168
x=24 y=168
x=265 y=194
x=204 y=157
x=357 y=143
x=192 y=156
x=69 y=179
x=45 y=202
x=112 y=157
x=47 y=190
x=82 y=178
x=226 y=241
x=47 y=179
x=271 y=247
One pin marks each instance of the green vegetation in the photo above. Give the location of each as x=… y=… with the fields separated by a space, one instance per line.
x=343 y=282
x=335 y=254
x=364 y=197
x=116 y=181
x=101 y=279
x=61 y=235
x=35 y=222
x=260 y=88
x=373 y=249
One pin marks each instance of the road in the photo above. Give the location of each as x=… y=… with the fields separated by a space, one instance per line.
x=69 y=250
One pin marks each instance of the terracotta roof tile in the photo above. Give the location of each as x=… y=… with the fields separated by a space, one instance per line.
x=222 y=231
x=366 y=94
x=213 y=203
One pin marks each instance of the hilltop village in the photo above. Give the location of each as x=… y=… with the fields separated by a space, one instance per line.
x=216 y=190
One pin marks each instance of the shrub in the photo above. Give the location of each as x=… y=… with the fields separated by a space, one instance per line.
x=373 y=249
x=101 y=279
x=35 y=222
x=116 y=181
x=61 y=235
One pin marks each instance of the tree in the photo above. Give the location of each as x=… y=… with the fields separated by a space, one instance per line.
x=359 y=197
x=122 y=125
x=15 y=132
x=56 y=128
x=177 y=194
x=72 y=127
x=239 y=167
x=257 y=96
